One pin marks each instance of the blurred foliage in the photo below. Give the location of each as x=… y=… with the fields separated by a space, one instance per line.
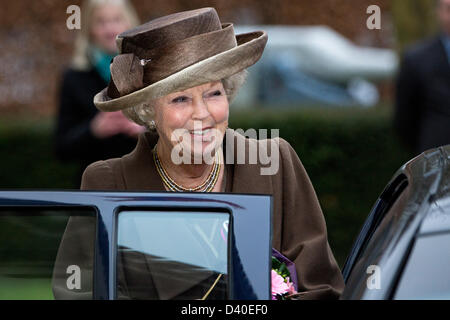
x=349 y=154
x=26 y=289
x=414 y=20
x=28 y=160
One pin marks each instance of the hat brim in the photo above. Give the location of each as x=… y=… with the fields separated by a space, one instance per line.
x=249 y=49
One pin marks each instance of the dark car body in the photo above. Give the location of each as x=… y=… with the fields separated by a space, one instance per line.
x=403 y=249
x=40 y=215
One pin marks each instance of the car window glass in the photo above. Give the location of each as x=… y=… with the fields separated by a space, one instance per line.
x=172 y=255
x=31 y=266
x=378 y=222
x=426 y=274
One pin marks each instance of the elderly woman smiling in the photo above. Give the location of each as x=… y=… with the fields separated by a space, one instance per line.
x=192 y=122
x=176 y=75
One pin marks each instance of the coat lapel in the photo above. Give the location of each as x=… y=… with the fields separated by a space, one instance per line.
x=138 y=168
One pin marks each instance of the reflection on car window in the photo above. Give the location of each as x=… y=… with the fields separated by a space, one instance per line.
x=378 y=222
x=172 y=255
x=29 y=242
x=426 y=275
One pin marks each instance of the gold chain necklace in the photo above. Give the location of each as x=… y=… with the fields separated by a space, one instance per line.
x=206 y=186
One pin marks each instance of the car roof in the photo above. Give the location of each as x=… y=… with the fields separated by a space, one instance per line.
x=438 y=216
x=429 y=174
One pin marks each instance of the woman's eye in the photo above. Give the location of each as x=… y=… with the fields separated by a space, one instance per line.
x=217 y=93
x=180 y=99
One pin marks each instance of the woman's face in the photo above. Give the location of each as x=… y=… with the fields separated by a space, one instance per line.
x=194 y=120
x=107 y=22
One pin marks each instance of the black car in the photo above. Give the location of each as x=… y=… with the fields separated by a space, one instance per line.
x=169 y=245
x=403 y=249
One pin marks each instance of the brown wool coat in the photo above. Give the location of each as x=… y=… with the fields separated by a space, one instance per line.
x=299 y=230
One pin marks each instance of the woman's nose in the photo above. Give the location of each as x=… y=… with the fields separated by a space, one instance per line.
x=201 y=110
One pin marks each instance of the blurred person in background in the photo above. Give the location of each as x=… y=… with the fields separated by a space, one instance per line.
x=84 y=134
x=422 y=115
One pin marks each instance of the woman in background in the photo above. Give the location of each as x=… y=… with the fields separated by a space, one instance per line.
x=83 y=133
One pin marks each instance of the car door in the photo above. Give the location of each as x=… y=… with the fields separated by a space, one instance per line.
x=100 y=245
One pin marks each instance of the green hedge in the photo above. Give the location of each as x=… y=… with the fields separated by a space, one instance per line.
x=28 y=160
x=350 y=155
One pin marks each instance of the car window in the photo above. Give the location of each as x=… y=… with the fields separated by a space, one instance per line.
x=393 y=196
x=29 y=242
x=172 y=255
x=426 y=274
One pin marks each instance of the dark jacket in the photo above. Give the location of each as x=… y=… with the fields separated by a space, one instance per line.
x=299 y=230
x=422 y=115
x=73 y=138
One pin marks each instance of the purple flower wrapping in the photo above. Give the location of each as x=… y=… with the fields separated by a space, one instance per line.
x=290 y=266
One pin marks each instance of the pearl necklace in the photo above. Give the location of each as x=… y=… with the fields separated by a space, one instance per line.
x=206 y=186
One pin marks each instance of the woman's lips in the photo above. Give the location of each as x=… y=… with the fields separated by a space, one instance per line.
x=202 y=135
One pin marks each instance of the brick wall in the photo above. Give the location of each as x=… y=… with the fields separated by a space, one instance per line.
x=35 y=44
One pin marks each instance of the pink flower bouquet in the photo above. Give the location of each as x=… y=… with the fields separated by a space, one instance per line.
x=284 y=277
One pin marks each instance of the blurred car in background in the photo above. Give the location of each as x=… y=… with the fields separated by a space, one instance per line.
x=314 y=65
x=403 y=249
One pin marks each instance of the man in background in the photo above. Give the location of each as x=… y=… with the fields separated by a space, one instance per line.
x=422 y=114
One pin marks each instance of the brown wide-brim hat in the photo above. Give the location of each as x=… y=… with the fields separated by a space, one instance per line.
x=174 y=53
